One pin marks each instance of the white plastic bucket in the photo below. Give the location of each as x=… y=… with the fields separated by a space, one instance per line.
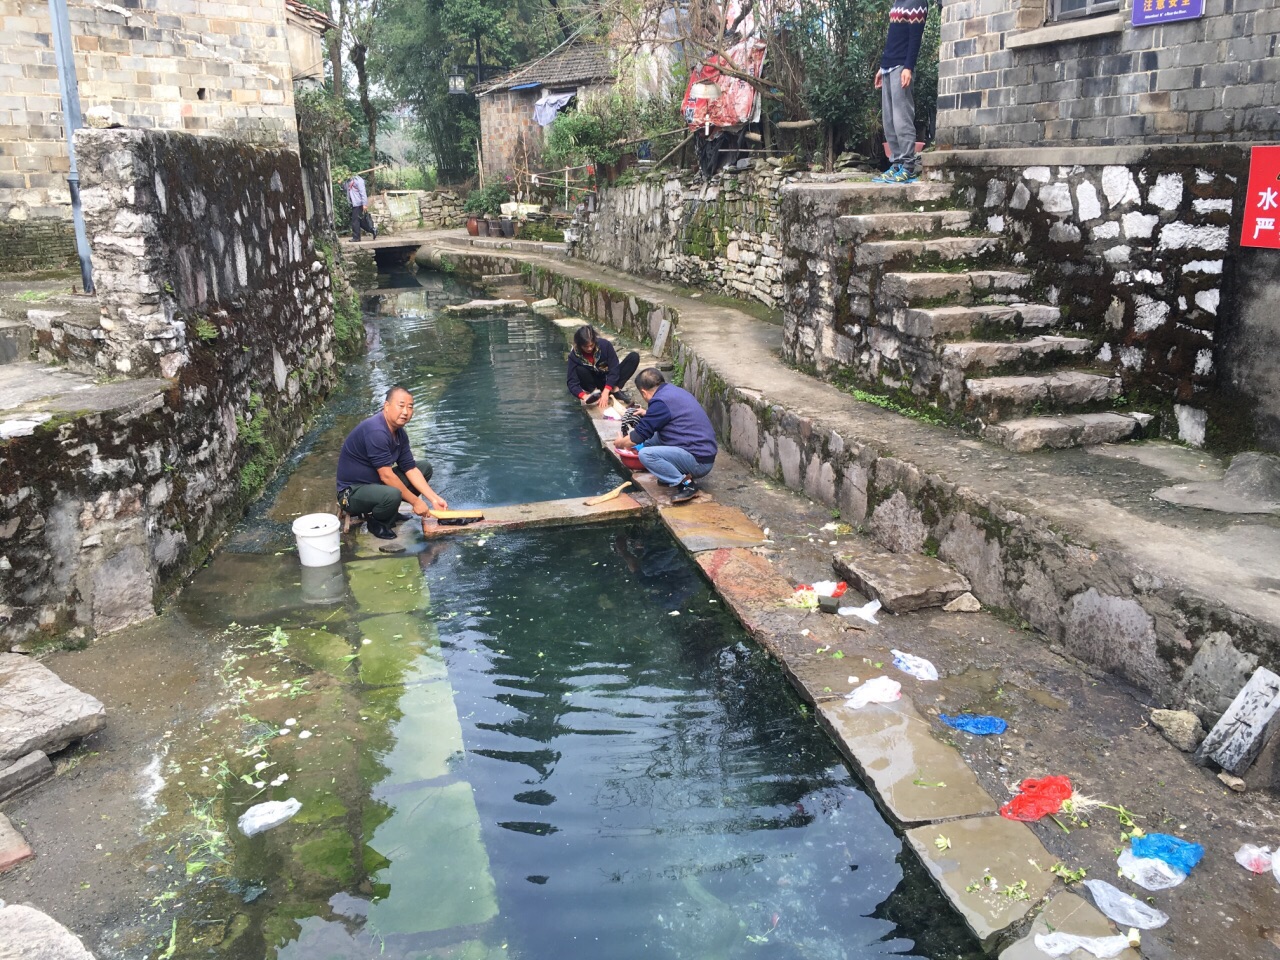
x=318 y=539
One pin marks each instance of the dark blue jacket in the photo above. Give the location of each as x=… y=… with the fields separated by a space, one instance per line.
x=677 y=420
x=369 y=446
x=606 y=362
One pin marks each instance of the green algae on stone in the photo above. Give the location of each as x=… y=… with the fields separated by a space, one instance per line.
x=388 y=586
x=402 y=648
x=326 y=858
x=320 y=650
x=439 y=873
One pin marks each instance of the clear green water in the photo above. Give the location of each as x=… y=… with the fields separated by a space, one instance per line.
x=546 y=744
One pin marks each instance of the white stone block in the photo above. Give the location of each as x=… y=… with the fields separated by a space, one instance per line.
x=1087 y=205
x=1207 y=300
x=1055 y=198
x=1236 y=739
x=1118 y=185
x=1182 y=236
x=1139 y=225
x=1037 y=174
x=1191 y=424
x=1204 y=363
x=1106 y=231
x=1149 y=314
x=1167 y=192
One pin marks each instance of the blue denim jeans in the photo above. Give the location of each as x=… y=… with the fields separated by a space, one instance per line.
x=670 y=464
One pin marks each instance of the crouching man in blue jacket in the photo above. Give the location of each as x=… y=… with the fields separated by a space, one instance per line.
x=674 y=438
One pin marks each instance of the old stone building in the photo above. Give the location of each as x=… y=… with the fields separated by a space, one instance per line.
x=200 y=67
x=509 y=133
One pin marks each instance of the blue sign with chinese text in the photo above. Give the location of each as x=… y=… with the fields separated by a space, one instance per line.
x=1147 y=13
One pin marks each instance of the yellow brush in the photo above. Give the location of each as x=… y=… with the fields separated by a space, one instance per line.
x=606 y=497
x=456 y=518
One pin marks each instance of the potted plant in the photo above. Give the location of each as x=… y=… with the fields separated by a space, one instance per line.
x=483 y=204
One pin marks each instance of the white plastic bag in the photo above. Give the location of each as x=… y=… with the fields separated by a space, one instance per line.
x=918 y=667
x=1255 y=859
x=825 y=588
x=264 y=816
x=875 y=690
x=1148 y=872
x=866 y=612
x=1059 y=944
x=1124 y=909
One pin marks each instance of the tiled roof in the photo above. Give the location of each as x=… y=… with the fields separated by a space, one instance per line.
x=317 y=20
x=573 y=64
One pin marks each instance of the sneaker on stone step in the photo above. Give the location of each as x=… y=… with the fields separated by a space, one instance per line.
x=888 y=176
x=685 y=491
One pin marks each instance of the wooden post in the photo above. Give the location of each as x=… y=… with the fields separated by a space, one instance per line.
x=566 y=189
x=479 y=165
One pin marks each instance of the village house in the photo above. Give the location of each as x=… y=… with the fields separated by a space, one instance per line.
x=514 y=108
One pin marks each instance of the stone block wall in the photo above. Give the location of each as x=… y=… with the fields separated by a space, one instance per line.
x=724 y=235
x=199 y=67
x=1007 y=79
x=31 y=245
x=207 y=277
x=1138 y=256
x=440 y=209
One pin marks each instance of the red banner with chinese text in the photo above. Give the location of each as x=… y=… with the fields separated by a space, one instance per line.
x=1262 y=202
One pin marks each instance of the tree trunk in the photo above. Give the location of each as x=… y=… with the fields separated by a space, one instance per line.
x=566 y=29
x=359 y=55
x=335 y=47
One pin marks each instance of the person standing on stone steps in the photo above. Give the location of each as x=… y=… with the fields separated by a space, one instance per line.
x=594 y=372
x=377 y=471
x=895 y=81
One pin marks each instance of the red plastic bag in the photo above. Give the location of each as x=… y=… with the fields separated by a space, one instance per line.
x=1036 y=798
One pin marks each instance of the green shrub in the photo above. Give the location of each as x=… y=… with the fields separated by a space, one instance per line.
x=487 y=201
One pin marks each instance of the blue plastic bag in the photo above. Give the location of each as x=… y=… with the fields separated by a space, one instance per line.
x=1179 y=854
x=975 y=723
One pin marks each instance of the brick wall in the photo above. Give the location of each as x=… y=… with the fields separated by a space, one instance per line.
x=506 y=116
x=1009 y=78
x=31 y=245
x=197 y=66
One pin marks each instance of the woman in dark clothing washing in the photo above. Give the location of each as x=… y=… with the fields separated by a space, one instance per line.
x=594 y=372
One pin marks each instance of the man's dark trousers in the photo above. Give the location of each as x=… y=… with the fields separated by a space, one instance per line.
x=379 y=501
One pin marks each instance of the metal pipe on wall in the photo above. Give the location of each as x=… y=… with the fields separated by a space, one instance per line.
x=70 y=91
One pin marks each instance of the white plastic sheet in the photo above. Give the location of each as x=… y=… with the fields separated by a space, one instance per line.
x=1148 y=872
x=1124 y=909
x=1255 y=859
x=918 y=667
x=1059 y=944
x=866 y=612
x=875 y=690
x=264 y=816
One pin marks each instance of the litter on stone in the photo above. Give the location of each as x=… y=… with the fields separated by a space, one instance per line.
x=1124 y=909
x=1059 y=944
x=264 y=816
x=1254 y=859
x=918 y=667
x=865 y=612
x=875 y=690
x=1181 y=855
x=1148 y=872
x=1036 y=798
x=976 y=723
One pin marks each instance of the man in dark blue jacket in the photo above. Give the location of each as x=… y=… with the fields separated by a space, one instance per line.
x=594 y=372
x=674 y=438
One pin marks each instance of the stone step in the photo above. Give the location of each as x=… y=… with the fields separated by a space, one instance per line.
x=901 y=581
x=1032 y=354
x=850 y=196
x=929 y=323
x=1002 y=398
x=34 y=393
x=968 y=287
x=1072 y=430
x=870 y=225
x=945 y=249
x=15 y=342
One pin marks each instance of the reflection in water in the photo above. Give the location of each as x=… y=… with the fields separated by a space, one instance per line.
x=550 y=744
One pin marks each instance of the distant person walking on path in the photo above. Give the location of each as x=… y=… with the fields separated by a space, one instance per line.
x=594 y=371
x=377 y=471
x=895 y=81
x=674 y=438
x=356 y=193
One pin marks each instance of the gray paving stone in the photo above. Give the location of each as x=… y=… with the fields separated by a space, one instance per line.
x=894 y=746
x=23 y=773
x=14 y=848
x=985 y=847
x=40 y=712
x=901 y=581
x=28 y=934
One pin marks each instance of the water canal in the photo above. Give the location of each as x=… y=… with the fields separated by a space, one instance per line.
x=548 y=744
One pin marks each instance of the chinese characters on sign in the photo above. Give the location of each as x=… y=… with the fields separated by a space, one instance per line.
x=1262 y=202
x=1146 y=13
